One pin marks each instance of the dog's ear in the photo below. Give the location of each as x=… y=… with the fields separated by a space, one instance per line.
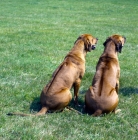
x=107 y=40
x=119 y=47
x=88 y=45
x=77 y=39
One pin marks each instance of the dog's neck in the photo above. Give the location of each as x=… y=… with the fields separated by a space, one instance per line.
x=110 y=49
x=79 y=50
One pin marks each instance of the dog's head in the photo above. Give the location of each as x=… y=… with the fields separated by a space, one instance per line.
x=118 y=40
x=89 y=41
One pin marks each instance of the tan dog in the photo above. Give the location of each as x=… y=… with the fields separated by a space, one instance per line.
x=56 y=94
x=102 y=96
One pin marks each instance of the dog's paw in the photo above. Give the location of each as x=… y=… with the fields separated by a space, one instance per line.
x=117 y=111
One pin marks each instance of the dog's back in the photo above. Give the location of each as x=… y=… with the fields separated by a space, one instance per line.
x=102 y=96
x=106 y=73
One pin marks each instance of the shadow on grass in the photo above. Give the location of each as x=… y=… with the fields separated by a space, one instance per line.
x=79 y=108
x=35 y=105
x=81 y=103
x=127 y=91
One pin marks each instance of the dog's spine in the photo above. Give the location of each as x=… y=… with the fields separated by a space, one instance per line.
x=54 y=76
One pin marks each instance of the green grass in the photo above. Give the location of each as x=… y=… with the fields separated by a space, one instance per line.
x=35 y=36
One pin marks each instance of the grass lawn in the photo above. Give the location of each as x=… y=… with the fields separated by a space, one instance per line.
x=35 y=36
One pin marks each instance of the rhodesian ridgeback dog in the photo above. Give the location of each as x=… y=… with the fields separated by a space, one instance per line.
x=102 y=96
x=56 y=94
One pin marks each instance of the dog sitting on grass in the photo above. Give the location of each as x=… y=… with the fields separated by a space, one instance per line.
x=102 y=95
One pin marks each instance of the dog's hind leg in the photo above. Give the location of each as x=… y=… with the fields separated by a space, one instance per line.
x=43 y=111
x=97 y=113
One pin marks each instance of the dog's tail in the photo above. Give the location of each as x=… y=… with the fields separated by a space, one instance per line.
x=20 y=114
x=40 y=113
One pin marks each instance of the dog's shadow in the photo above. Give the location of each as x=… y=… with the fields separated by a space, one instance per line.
x=128 y=91
x=35 y=105
x=81 y=102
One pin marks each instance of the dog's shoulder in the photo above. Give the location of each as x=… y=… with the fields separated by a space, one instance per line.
x=107 y=60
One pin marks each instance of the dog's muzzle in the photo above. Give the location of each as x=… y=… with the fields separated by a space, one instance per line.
x=93 y=47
